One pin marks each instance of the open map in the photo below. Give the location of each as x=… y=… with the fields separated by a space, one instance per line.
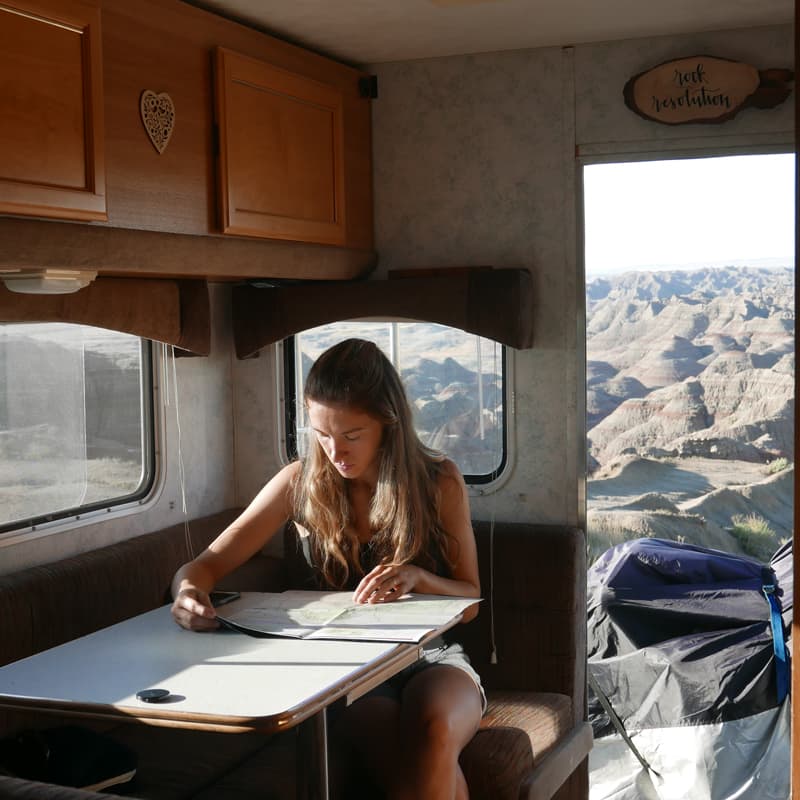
x=334 y=615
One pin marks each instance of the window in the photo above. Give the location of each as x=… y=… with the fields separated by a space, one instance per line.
x=690 y=351
x=76 y=423
x=455 y=383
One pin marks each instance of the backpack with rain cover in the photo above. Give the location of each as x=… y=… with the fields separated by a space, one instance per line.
x=689 y=673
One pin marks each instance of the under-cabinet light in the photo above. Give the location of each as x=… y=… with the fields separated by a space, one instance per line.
x=47 y=281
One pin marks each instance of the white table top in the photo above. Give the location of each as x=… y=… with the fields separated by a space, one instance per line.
x=217 y=680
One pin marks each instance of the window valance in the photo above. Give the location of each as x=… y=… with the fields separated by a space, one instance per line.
x=172 y=311
x=494 y=303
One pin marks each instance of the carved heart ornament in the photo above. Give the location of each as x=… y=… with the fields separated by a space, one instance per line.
x=158 y=117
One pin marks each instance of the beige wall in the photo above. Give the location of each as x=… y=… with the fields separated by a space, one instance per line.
x=601 y=70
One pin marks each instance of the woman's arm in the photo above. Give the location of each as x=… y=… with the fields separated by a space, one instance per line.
x=389 y=581
x=243 y=538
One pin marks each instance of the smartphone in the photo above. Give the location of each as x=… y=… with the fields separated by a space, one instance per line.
x=220 y=598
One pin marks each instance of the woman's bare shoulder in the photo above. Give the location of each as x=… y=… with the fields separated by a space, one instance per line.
x=287 y=478
x=278 y=489
x=287 y=474
x=292 y=469
x=450 y=478
x=448 y=469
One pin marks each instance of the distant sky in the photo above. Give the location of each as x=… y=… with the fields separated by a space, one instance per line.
x=690 y=213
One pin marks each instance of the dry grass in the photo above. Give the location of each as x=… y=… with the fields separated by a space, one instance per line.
x=755 y=536
x=778 y=465
x=29 y=488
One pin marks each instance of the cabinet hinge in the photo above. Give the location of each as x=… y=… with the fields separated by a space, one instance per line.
x=368 y=86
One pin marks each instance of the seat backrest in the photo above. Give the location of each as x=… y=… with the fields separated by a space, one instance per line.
x=533 y=581
x=43 y=606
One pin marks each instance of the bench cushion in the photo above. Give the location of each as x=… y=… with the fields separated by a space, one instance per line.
x=516 y=733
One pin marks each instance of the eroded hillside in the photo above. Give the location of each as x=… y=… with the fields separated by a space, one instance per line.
x=693 y=374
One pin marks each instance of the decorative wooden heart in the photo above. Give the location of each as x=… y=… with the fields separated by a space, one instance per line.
x=158 y=117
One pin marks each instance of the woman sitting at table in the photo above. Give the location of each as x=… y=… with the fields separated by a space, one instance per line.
x=384 y=515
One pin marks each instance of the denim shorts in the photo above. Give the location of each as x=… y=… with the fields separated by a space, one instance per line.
x=437 y=652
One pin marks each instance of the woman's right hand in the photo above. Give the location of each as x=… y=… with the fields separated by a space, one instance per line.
x=192 y=610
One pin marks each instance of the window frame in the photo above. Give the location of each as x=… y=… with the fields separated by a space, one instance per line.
x=56 y=520
x=480 y=483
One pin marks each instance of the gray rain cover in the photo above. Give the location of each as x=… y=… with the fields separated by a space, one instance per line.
x=687 y=699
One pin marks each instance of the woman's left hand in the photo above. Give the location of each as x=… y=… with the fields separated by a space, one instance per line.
x=386 y=582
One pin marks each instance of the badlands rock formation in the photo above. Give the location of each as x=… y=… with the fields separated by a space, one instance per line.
x=690 y=368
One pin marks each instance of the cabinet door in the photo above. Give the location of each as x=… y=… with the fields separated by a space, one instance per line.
x=51 y=107
x=281 y=164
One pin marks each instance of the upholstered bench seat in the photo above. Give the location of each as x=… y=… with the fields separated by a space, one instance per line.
x=517 y=733
x=518 y=729
x=527 y=643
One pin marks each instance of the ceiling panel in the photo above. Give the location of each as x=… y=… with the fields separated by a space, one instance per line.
x=373 y=31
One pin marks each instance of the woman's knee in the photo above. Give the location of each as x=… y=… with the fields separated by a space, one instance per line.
x=436 y=730
x=443 y=707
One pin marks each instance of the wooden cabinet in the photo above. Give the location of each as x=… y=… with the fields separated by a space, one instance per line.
x=290 y=165
x=51 y=107
x=281 y=160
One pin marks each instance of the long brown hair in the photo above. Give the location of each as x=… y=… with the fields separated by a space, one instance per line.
x=404 y=511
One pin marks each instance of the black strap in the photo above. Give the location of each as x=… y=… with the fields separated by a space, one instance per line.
x=617 y=723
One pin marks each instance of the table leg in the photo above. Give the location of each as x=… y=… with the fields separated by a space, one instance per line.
x=312 y=761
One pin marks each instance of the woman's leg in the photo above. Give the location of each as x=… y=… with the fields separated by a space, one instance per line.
x=411 y=749
x=440 y=712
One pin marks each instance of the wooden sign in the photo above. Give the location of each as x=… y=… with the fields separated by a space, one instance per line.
x=703 y=89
